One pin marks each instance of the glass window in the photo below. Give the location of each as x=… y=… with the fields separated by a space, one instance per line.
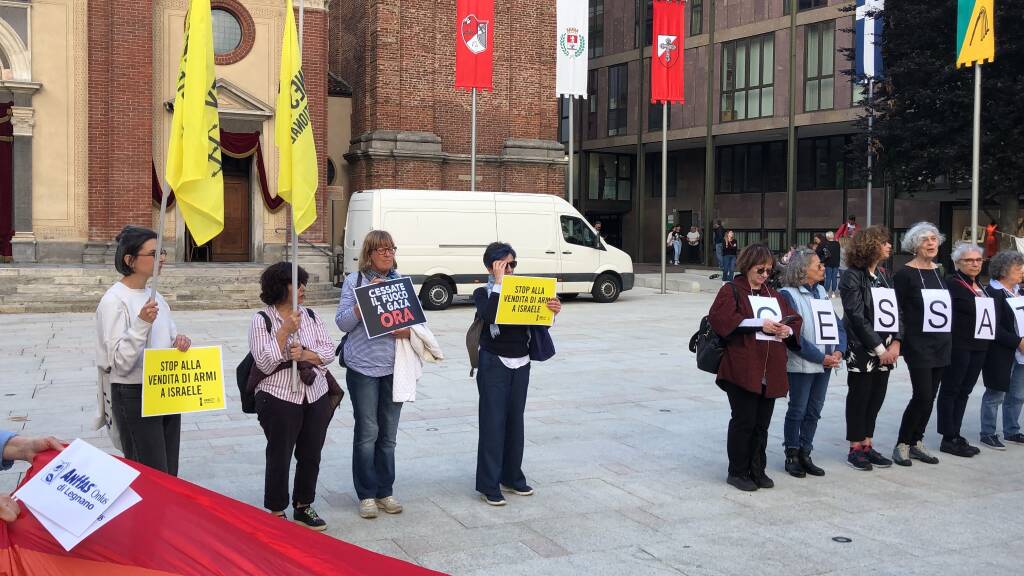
x=649 y=23
x=563 y=119
x=596 y=23
x=592 y=104
x=747 y=78
x=751 y=168
x=819 y=66
x=618 y=99
x=227 y=31
x=576 y=231
x=653 y=166
x=803 y=5
x=696 y=17
x=654 y=117
x=610 y=177
x=821 y=163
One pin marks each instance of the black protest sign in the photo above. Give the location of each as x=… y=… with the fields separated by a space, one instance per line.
x=388 y=306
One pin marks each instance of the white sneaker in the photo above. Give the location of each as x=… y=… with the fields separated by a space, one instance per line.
x=368 y=508
x=389 y=505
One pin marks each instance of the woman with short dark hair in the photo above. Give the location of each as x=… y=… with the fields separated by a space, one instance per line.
x=502 y=381
x=753 y=367
x=130 y=319
x=294 y=415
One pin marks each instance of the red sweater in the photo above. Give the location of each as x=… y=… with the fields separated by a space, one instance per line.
x=747 y=361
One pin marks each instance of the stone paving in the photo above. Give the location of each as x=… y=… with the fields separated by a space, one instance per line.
x=625 y=448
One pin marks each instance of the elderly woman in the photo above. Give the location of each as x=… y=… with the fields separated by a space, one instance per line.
x=810 y=367
x=968 y=354
x=1004 y=364
x=130 y=319
x=502 y=381
x=294 y=415
x=753 y=368
x=370 y=381
x=927 y=353
x=870 y=354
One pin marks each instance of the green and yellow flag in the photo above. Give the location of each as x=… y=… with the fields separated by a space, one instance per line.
x=297 y=175
x=194 y=169
x=975 y=32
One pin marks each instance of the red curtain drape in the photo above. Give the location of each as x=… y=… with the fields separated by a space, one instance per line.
x=6 y=179
x=236 y=145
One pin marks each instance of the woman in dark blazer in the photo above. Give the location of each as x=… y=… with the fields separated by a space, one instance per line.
x=1003 y=371
x=753 y=371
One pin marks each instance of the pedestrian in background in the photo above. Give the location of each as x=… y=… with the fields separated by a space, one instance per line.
x=675 y=243
x=693 y=245
x=1003 y=372
x=847 y=229
x=830 y=253
x=729 y=251
x=718 y=234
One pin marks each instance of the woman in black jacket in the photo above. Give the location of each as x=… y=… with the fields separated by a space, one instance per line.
x=1003 y=371
x=502 y=381
x=968 y=352
x=870 y=355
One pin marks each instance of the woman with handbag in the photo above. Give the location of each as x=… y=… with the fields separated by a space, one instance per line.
x=502 y=380
x=294 y=415
x=753 y=366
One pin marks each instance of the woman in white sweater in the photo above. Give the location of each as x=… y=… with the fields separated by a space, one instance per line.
x=129 y=320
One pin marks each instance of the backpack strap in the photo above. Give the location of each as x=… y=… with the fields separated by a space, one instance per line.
x=309 y=311
x=735 y=295
x=266 y=319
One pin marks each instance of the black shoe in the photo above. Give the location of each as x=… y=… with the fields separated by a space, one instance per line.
x=493 y=499
x=974 y=450
x=858 y=460
x=877 y=460
x=793 y=465
x=1017 y=438
x=808 y=464
x=993 y=442
x=524 y=490
x=742 y=482
x=308 y=517
x=762 y=480
x=954 y=447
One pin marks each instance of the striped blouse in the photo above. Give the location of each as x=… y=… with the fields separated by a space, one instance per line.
x=268 y=355
x=375 y=358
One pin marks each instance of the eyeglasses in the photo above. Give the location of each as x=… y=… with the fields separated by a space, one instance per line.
x=762 y=271
x=511 y=265
x=153 y=254
x=386 y=251
x=971 y=260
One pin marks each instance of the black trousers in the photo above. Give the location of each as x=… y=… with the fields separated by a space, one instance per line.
x=925 y=383
x=747 y=441
x=298 y=429
x=957 y=383
x=863 y=401
x=499 y=453
x=154 y=440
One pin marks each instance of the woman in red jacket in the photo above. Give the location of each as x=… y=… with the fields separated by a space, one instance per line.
x=753 y=369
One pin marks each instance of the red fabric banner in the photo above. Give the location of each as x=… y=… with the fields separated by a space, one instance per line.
x=474 y=44
x=180 y=528
x=667 y=52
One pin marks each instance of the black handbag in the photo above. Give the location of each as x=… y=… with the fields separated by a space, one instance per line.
x=340 y=350
x=709 y=346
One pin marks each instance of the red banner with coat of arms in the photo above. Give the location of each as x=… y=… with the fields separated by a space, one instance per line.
x=474 y=44
x=667 y=52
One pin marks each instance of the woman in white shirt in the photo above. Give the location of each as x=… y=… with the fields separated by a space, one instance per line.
x=130 y=319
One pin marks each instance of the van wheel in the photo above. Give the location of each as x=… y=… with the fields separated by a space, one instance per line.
x=436 y=295
x=606 y=288
x=569 y=296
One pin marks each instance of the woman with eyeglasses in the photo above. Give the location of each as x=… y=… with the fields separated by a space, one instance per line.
x=369 y=377
x=870 y=354
x=502 y=381
x=129 y=319
x=753 y=367
x=968 y=355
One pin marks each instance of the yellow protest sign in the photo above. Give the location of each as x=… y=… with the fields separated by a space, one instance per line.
x=176 y=382
x=524 y=301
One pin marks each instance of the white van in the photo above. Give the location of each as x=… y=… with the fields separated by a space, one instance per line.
x=441 y=236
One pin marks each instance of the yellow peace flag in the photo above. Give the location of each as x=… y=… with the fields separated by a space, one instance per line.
x=194 y=169
x=297 y=175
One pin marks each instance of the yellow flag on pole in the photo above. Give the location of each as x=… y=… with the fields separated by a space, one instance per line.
x=297 y=175
x=194 y=169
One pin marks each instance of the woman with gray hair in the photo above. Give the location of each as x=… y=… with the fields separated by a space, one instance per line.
x=809 y=368
x=926 y=347
x=968 y=353
x=1004 y=363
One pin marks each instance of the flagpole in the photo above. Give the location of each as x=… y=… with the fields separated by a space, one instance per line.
x=472 y=148
x=664 y=181
x=871 y=122
x=571 y=98
x=295 y=235
x=159 y=240
x=976 y=154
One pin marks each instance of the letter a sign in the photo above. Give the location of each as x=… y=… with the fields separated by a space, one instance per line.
x=984 y=319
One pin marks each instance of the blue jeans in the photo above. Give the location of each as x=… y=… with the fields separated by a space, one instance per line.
x=375 y=435
x=728 y=267
x=718 y=254
x=677 y=248
x=499 y=454
x=831 y=279
x=1011 y=401
x=806 y=399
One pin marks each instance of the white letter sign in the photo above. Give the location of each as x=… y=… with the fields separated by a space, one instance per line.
x=1017 y=305
x=937 y=307
x=887 y=314
x=826 y=324
x=765 y=307
x=984 y=319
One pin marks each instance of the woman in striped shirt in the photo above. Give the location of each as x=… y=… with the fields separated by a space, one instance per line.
x=370 y=380
x=294 y=415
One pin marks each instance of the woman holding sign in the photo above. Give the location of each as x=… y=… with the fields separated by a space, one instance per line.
x=822 y=345
x=130 y=319
x=968 y=356
x=928 y=322
x=370 y=380
x=502 y=380
x=1004 y=363
x=873 y=330
x=755 y=322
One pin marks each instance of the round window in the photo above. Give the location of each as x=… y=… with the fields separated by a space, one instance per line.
x=227 y=31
